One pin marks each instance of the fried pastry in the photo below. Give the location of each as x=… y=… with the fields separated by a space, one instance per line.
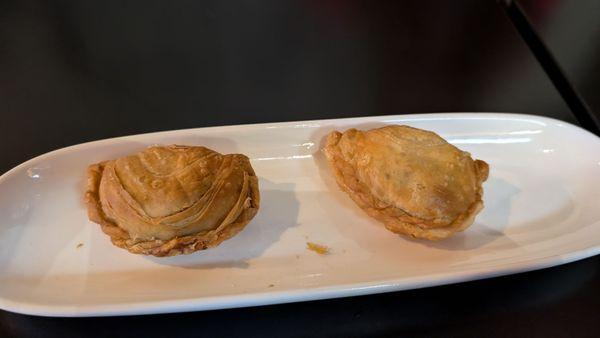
x=411 y=180
x=172 y=200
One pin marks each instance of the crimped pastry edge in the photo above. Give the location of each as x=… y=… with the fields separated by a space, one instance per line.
x=162 y=248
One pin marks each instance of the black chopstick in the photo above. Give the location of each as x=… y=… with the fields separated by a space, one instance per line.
x=584 y=115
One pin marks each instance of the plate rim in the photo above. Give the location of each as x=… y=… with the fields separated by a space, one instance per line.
x=294 y=296
x=450 y=115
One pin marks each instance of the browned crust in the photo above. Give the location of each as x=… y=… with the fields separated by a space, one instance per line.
x=396 y=219
x=175 y=246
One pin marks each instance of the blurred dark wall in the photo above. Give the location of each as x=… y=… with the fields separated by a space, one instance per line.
x=73 y=71
x=572 y=31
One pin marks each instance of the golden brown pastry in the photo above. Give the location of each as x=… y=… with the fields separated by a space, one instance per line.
x=166 y=201
x=411 y=180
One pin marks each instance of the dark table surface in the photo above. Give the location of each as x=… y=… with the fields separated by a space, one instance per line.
x=72 y=72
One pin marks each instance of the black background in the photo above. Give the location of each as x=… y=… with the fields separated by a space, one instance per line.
x=74 y=71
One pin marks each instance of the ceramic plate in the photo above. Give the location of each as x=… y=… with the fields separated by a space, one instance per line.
x=541 y=210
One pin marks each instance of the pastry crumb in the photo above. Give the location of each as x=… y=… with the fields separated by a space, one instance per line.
x=318 y=248
x=271 y=285
x=79 y=245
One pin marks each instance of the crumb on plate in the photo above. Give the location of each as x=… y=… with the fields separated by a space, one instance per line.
x=79 y=245
x=318 y=248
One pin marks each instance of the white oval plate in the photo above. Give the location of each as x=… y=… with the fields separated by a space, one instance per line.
x=542 y=209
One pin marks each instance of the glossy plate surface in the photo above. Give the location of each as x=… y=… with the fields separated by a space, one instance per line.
x=541 y=210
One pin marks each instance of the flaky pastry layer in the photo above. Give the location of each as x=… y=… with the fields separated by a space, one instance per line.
x=167 y=201
x=411 y=180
